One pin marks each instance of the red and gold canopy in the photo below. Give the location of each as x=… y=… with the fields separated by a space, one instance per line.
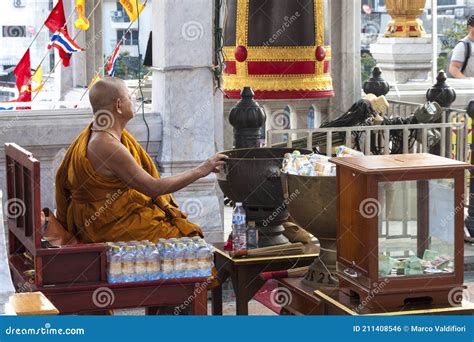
x=277 y=47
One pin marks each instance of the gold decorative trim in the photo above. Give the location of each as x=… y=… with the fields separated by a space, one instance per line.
x=281 y=257
x=316 y=81
x=297 y=82
x=293 y=53
x=334 y=302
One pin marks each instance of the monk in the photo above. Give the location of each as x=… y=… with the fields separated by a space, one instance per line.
x=108 y=188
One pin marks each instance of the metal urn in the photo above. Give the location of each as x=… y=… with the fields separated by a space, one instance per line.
x=252 y=176
x=314 y=209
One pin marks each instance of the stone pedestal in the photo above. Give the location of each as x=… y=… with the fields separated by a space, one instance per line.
x=402 y=59
x=191 y=111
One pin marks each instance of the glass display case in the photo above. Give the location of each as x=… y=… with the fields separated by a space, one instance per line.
x=400 y=228
x=416 y=228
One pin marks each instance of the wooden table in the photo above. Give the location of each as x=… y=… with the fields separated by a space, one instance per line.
x=31 y=303
x=244 y=273
x=306 y=301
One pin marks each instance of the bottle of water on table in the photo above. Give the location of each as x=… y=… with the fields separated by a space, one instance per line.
x=239 y=228
x=167 y=261
x=152 y=262
x=180 y=260
x=128 y=264
x=114 y=265
x=140 y=263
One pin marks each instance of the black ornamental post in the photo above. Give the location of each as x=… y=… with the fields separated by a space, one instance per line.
x=441 y=91
x=247 y=117
x=376 y=84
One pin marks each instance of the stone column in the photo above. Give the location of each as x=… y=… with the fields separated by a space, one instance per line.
x=191 y=111
x=345 y=48
x=86 y=63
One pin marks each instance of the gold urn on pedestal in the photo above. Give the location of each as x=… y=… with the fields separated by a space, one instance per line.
x=405 y=21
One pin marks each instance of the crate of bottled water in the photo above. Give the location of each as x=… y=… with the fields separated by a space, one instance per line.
x=174 y=258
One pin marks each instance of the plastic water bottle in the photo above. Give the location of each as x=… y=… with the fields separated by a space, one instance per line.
x=180 y=261
x=128 y=264
x=152 y=258
x=140 y=264
x=239 y=228
x=252 y=235
x=191 y=260
x=205 y=260
x=167 y=261
x=114 y=265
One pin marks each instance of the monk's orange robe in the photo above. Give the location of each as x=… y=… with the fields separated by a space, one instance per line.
x=96 y=208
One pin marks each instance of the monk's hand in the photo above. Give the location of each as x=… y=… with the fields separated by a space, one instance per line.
x=212 y=164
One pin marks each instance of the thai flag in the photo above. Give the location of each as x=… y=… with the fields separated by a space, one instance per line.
x=113 y=60
x=61 y=40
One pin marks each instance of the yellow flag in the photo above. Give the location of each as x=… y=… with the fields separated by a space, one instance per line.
x=130 y=7
x=38 y=79
x=95 y=79
x=81 y=22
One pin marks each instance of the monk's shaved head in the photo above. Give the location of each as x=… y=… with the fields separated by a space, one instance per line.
x=105 y=93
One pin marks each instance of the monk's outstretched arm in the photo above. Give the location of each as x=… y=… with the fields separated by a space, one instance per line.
x=119 y=161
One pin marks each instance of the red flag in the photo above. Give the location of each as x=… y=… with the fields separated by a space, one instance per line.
x=23 y=75
x=56 y=19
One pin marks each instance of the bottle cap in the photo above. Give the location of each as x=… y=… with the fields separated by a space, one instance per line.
x=251 y=223
x=238 y=204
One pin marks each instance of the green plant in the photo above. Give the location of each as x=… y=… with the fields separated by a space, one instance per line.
x=367 y=64
x=127 y=67
x=450 y=38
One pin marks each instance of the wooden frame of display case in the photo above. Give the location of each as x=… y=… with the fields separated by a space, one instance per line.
x=357 y=244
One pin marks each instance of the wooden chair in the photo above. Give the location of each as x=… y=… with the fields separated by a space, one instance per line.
x=74 y=277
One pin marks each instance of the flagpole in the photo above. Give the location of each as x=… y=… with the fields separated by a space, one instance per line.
x=119 y=42
x=36 y=36
x=57 y=63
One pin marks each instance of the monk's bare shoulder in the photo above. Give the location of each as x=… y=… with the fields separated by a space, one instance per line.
x=101 y=151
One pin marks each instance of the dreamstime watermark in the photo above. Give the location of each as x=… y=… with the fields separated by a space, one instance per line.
x=103 y=297
x=108 y=202
x=281 y=296
x=370 y=208
x=46 y=330
x=14 y=208
x=200 y=288
x=457 y=295
x=280 y=119
x=192 y=207
x=26 y=286
x=94 y=39
x=450 y=217
x=287 y=22
x=8 y=125
x=281 y=207
x=192 y=30
x=104 y=119
x=377 y=288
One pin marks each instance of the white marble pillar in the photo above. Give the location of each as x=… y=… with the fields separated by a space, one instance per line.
x=183 y=94
x=345 y=21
